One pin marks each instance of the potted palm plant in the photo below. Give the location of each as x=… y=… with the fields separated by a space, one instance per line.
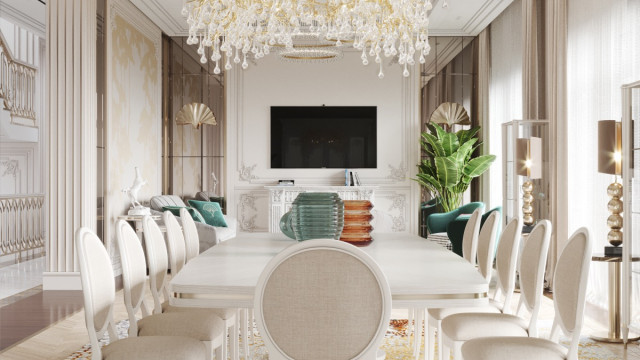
x=450 y=165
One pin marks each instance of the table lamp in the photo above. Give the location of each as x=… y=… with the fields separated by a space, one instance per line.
x=529 y=165
x=610 y=162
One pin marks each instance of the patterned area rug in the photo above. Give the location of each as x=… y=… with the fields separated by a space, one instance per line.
x=397 y=345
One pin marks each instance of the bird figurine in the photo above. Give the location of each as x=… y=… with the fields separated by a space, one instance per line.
x=133 y=190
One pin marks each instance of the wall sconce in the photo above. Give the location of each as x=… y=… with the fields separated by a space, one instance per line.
x=610 y=162
x=195 y=114
x=529 y=165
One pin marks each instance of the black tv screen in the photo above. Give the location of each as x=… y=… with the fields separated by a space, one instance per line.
x=323 y=137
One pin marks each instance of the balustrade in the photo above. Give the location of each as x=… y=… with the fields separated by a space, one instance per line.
x=21 y=223
x=17 y=84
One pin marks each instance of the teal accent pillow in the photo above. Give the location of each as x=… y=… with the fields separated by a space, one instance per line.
x=175 y=210
x=211 y=212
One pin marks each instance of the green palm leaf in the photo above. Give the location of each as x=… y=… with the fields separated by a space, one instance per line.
x=436 y=145
x=464 y=135
x=448 y=172
x=450 y=143
x=475 y=167
x=464 y=151
x=429 y=182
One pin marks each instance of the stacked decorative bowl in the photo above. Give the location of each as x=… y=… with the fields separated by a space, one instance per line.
x=314 y=216
x=357 y=222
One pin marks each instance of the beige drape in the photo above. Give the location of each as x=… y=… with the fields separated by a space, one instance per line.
x=483 y=71
x=556 y=99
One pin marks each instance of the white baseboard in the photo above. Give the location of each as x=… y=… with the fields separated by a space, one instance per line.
x=61 y=281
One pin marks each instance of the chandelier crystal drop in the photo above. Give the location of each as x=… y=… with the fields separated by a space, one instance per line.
x=235 y=30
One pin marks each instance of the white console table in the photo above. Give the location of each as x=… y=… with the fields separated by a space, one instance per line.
x=281 y=198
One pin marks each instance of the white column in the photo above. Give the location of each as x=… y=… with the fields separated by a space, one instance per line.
x=71 y=100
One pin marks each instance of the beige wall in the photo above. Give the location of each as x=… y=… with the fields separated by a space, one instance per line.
x=133 y=107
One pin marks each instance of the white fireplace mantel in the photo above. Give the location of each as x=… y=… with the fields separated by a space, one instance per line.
x=281 y=198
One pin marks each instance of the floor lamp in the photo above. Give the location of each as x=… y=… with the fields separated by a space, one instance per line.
x=529 y=165
x=610 y=162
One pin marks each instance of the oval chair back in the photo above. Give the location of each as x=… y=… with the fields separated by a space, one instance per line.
x=192 y=241
x=486 y=245
x=322 y=299
x=470 y=237
x=98 y=287
x=532 y=264
x=134 y=273
x=506 y=260
x=158 y=262
x=175 y=243
x=570 y=287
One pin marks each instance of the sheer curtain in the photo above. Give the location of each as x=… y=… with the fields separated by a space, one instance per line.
x=603 y=52
x=505 y=90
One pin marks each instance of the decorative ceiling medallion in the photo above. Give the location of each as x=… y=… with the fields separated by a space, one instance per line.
x=195 y=114
x=449 y=114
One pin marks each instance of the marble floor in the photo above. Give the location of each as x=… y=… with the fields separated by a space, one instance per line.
x=17 y=278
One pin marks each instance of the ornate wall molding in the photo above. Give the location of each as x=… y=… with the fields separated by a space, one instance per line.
x=245 y=220
x=397 y=173
x=245 y=173
x=397 y=210
x=12 y=167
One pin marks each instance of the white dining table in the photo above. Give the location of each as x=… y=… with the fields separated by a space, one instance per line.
x=420 y=273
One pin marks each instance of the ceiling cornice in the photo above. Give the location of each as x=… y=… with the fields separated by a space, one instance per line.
x=24 y=18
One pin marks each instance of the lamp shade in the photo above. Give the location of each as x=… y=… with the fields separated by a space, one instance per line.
x=529 y=157
x=610 y=147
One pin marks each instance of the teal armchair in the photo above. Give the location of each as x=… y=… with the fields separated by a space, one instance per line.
x=438 y=223
x=455 y=229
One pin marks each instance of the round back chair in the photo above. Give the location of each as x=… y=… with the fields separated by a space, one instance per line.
x=134 y=273
x=532 y=264
x=175 y=243
x=506 y=260
x=192 y=241
x=322 y=299
x=98 y=287
x=158 y=261
x=470 y=236
x=486 y=245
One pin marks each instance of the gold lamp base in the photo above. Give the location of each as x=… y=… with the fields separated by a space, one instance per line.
x=614 y=221
x=527 y=203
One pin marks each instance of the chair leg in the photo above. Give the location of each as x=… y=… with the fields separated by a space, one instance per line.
x=410 y=325
x=251 y=321
x=457 y=350
x=441 y=350
x=243 y=331
x=417 y=335
x=235 y=343
x=219 y=352
x=225 y=343
x=430 y=342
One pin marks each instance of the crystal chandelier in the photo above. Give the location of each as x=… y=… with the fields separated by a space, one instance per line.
x=236 y=30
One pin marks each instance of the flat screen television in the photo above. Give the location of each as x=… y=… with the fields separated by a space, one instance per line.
x=323 y=137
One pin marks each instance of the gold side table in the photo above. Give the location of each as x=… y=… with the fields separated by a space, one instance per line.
x=614 y=334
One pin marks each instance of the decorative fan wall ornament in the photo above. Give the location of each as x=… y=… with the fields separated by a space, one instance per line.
x=450 y=114
x=195 y=114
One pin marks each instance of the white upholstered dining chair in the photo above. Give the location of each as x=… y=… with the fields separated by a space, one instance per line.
x=158 y=260
x=485 y=253
x=569 y=289
x=203 y=326
x=322 y=299
x=469 y=253
x=98 y=290
x=458 y=328
x=191 y=238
